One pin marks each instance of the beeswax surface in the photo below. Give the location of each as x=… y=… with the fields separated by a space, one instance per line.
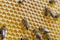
x=12 y=13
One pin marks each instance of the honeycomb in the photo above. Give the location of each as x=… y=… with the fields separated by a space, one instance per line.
x=12 y=13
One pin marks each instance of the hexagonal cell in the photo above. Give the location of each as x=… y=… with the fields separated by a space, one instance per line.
x=11 y=13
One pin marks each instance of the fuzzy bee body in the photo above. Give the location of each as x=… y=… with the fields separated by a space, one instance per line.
x=47 y=11
x=34 y=31
x=55 y=16
x=25 y=23
x=44 y=30
x=2 y=32
x=38 y=35
x=47 y=36
x=58 y=15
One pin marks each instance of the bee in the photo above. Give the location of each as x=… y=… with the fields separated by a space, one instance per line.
x=44 y=30
x=24 y=39
x=34 y=31
x=20 y=1
x=47 y=36
x=46 y=11
x=38 y=35
x=52 y=1
x=55 y=16
x=25 y=23
x=2 y=32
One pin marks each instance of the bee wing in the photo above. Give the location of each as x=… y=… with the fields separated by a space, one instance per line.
x=58 y=15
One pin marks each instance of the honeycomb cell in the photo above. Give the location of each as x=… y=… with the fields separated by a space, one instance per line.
x=12 y=13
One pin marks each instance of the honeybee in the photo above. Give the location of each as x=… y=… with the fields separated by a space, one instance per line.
x=46 y=11
x=25 y=23
x=38 y=35
x=44 y=30
x=47 y=36
x=2 y=32
x=55 y=16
